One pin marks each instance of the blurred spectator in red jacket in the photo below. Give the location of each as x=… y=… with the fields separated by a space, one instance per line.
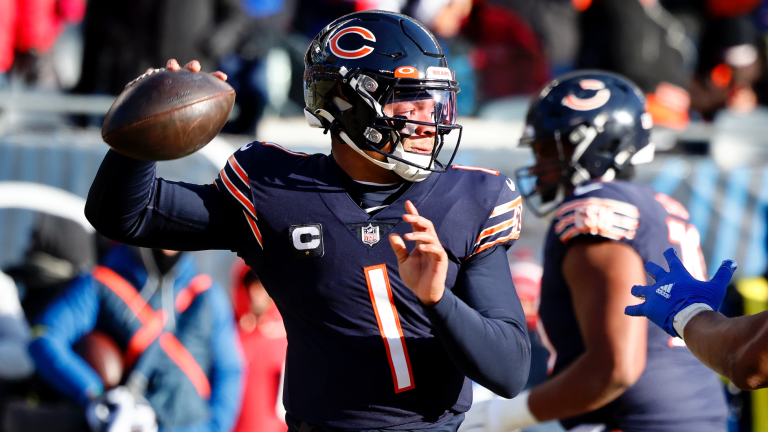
x=526 y=274
x=7 y=33
x=508 y=58
x=39 y=22
x=264 y=344
x=28 y=29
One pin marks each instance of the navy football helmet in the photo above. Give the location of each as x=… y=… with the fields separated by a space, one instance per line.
x=581 y=126
x=363 y=64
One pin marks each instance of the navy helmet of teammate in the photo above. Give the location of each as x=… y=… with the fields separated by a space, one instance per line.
x=586 y=130
x=380 y=337
x=594 y=125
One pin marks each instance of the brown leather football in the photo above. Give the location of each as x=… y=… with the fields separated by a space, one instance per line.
x=168 y=115
x=103 y=355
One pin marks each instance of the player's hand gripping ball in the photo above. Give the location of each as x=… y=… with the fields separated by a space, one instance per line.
x=676 y=290
x=168 y=113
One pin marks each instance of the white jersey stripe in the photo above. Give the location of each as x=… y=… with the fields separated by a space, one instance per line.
x=239 y=171
x=389 y=326
x=271 y=144
x=506 y=207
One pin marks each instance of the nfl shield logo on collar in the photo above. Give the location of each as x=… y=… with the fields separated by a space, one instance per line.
x=370 y=235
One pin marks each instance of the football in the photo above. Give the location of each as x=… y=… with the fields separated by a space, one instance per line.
x=168 y=115
x=103 y=355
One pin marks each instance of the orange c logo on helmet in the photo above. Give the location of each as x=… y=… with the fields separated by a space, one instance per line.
x=599 y=99
x=352 y=54
x=406 y=72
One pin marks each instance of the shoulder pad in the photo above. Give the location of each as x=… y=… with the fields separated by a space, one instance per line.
x=597 y=216
x=504 y=223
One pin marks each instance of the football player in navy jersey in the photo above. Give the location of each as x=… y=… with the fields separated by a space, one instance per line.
x=608 y=371
x=380 y=336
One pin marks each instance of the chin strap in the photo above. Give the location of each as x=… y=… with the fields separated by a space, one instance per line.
x=410 y=172
x=387 y=166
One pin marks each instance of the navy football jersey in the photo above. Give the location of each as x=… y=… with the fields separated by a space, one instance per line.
x=362 y=352
x=675 y=392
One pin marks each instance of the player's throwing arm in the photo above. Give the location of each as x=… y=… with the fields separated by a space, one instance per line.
x=736 y=348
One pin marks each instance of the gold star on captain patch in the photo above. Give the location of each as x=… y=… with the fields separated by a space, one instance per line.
x=307 y=252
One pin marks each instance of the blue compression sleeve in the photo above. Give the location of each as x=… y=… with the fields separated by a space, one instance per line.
x=64 y=322
x=128 y=204
x=482 y=325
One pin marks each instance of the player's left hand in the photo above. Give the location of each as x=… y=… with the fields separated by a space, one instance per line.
x=193 y=66
x=676 y=290
x=424 y=269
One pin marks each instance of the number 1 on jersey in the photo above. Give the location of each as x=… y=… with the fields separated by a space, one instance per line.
x=389 y=326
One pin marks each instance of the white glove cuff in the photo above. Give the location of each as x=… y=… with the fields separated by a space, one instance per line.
x=514 y=413
x=685 y=315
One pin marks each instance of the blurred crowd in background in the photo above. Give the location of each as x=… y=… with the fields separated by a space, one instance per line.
x=693 y=59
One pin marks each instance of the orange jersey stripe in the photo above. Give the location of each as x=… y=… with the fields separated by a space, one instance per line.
x=495 y=229
x=471 y=168
x=616 y=206
x=284 y=149
x=238 y=170
x=237 y=194
x=512 y=236
x=254 y=229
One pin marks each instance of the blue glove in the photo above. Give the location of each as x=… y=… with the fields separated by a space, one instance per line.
x=676 y=290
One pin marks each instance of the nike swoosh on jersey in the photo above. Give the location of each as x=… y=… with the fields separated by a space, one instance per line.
x=581 y=190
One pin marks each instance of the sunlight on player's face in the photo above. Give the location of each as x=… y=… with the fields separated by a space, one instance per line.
x=421 y=138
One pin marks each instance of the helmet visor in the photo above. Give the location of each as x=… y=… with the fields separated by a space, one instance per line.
x=417 y=106
x=420 y=120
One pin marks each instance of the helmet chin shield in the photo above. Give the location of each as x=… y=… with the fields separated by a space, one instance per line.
x=410 y=171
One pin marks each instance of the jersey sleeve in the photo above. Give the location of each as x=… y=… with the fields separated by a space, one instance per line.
x=234 y=183
x=129 y=204
x=602 y=213
x=504 y=222
x=234 y=180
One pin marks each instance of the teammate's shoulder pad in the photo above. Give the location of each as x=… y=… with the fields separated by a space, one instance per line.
x=597 y=209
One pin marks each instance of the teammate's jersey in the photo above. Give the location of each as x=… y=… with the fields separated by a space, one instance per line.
x=360 y=346
x=675 y=392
